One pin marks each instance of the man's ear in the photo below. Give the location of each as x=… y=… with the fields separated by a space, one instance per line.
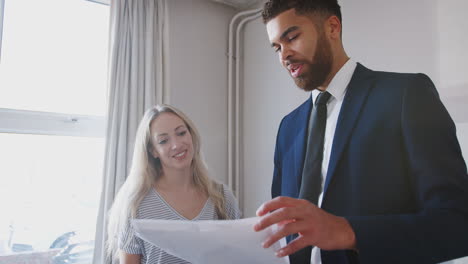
x=333 y=27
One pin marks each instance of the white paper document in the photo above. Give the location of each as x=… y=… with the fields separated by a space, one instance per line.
x=211 y=242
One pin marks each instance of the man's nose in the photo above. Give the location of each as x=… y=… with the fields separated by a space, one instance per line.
x=285 y=53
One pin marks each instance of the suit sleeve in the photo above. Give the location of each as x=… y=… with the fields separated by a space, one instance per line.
x=438 y=178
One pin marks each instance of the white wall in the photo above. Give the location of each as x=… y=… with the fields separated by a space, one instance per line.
x=453 y=70
x=198 y=33
x=396 y=35
x=452 y=27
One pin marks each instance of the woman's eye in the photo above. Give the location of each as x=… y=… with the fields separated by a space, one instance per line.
x=164 y=141
x=182 y=133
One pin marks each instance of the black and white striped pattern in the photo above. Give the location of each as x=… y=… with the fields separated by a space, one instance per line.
x=153 y=206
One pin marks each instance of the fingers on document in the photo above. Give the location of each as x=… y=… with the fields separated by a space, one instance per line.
x=292 y=247
x=283 y=231
x=283 y=210
x=276 y=203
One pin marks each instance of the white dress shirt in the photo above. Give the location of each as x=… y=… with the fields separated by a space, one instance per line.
x=337 y=88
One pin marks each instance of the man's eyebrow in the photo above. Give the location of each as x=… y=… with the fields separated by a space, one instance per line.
x=285 y=33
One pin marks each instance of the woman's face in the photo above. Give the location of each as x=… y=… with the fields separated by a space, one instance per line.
x=172 y=142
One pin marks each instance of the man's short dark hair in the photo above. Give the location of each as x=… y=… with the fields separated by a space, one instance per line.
x=273 y=8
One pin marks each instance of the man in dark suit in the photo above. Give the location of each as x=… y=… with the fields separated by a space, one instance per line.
x=392 y=183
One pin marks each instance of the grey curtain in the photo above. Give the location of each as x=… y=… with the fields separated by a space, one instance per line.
x=136 y=82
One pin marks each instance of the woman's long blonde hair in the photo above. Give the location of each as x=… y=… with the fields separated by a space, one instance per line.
x=146 y=170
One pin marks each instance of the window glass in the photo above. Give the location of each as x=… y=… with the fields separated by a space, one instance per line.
x=54 y=56
x=49 y=185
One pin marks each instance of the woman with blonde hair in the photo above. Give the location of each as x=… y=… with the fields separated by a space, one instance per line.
x=168 y=180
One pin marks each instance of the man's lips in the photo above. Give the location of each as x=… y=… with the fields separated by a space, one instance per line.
x=295 y=69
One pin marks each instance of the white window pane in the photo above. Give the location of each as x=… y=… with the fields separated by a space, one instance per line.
x=54 y=56
x=49 y=185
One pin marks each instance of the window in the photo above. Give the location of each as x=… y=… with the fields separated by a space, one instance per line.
x=53 y=74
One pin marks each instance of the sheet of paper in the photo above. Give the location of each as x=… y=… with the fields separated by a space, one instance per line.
x=211 y=242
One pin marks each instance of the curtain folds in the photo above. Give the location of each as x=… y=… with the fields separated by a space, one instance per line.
x=136 y=82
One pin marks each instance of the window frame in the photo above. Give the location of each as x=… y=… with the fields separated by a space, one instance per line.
x=104 y=2
x=47 y=123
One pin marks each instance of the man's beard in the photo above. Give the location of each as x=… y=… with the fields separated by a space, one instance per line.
x=319 y=68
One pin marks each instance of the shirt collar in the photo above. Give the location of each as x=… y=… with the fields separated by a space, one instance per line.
x=339 y=83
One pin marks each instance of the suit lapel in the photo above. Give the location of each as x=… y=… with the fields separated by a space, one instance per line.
x=300 y=142
x=355 y=97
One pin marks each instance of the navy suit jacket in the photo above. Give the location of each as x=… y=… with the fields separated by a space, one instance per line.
x=396 y=171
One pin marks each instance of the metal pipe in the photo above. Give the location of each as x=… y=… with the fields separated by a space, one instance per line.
x=237 y=176
x=229 y=95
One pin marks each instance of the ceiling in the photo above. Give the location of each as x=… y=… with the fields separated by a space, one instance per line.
x=241 y=4
x=238 y=4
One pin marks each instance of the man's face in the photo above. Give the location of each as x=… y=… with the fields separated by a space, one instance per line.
x=302 y=50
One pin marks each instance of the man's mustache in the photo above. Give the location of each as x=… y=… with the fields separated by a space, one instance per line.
x=292 y=61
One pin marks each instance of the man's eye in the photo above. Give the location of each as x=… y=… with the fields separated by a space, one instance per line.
x=276 y=49
x=292 y=38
